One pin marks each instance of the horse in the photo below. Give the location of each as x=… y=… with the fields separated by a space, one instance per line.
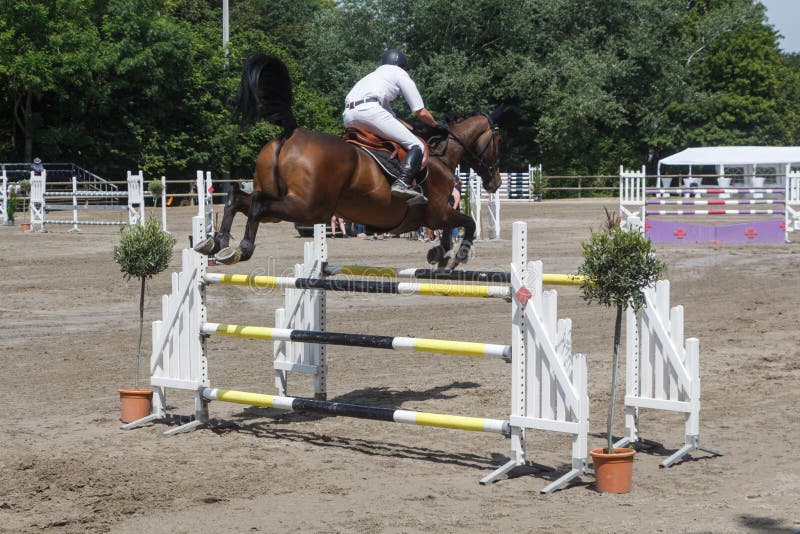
x=303 y=176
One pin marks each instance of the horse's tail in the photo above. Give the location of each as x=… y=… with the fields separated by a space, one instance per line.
x=265 y=92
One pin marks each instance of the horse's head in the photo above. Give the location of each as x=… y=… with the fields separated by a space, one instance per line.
x=480 y=138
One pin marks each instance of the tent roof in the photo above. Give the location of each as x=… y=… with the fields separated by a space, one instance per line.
x=735 y=155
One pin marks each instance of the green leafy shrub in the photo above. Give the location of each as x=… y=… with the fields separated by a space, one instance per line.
x=11 y=204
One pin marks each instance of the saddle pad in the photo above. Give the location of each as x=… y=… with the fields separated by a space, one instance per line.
x=372 y=142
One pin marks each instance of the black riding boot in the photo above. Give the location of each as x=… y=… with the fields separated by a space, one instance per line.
x=408 y=169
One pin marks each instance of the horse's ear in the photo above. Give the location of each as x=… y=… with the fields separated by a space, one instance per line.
x=478 y=108
x=498 y=111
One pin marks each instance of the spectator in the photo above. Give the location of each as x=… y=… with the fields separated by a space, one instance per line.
x=334 y=220
x=37 y=166
x=455 y=202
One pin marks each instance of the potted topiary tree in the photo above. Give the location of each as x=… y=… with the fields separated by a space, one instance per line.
x=155 y=187
x=143 y=252
x=618 y=264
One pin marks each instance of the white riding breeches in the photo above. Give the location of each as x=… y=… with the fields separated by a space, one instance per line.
x=372 y=117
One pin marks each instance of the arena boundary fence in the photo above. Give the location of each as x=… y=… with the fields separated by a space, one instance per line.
x=638 y=204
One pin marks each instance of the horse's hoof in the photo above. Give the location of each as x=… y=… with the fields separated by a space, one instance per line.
x=206 y=246
x=435 y=255
x=229 y=256
x=445 y=261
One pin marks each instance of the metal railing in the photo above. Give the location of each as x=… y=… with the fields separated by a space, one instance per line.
x=59 y=173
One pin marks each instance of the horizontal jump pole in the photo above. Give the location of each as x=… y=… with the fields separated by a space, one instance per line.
x=86 y=207
x=86 y=194
x=86 y=223
x=361 y=286
x=408 y=417
x=714 y=202
x=440 y=346
x=723 y=191
x=429 y=274
x=715 y=212
x=445 y=274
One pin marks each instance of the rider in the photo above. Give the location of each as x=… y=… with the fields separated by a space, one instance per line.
x=368 y=107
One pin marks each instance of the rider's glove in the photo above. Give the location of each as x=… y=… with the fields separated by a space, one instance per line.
x=442 y=125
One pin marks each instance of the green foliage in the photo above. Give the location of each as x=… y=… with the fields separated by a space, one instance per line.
x=618 y=264
x=588 y=85
x=11 y=203
x=155 y=187
x=143 y=251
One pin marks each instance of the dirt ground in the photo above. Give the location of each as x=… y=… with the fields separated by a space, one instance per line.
x=68 y=342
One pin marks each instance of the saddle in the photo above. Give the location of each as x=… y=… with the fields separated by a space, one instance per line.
x=387 y=154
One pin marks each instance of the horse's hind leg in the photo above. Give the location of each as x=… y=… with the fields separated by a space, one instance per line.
x=237 y=202
x=438 y=255
x=244 y=251
x=264 y=208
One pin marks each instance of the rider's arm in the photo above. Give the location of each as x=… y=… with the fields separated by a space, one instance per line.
x=426 y=117
x=414 y=100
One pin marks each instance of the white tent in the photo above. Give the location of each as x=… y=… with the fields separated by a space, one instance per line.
x=778 y=158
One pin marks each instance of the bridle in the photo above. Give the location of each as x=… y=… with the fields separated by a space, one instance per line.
x=475 y=158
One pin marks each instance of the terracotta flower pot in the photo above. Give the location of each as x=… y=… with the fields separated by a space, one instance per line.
x=135 y=404
x=25 y=227
x=613 y=472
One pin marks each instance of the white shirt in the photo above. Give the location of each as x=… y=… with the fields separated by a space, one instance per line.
x=385 y=83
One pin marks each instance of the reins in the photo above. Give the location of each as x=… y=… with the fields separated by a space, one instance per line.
x=476 y=157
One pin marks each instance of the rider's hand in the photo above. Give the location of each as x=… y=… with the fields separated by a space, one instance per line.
x=442 y=125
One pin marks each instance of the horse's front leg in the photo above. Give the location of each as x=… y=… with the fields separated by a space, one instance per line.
x=237 y=202
x=439 y=254
x=468 y=224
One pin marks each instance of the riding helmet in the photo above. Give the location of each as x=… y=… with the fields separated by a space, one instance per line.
x=393 y=56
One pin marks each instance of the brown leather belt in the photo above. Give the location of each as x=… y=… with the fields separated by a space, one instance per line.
x=352 y=105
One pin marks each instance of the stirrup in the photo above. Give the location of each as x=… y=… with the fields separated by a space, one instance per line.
x=418 y=200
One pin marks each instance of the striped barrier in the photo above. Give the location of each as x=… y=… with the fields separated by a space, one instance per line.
x=408 y=417
x=134 y=207
x=500 y=277
x=361 y=286
x=638 y=205
x=462 y=348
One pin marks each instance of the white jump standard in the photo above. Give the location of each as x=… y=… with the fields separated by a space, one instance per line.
x=39 y=206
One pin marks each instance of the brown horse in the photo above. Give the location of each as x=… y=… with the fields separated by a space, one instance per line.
x=305 y=177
